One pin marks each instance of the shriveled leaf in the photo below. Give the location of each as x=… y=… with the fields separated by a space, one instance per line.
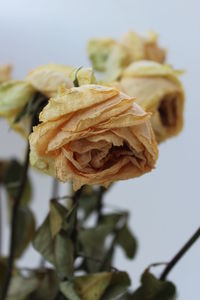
x=58 y=215
x=111 y=220
x=154 y=289
x=92 y=287
x=11 y=180
x=21 y=287
x=69 y=223
x=89 y=201
x=24 y=231
x=43 y=241
x=64 y=256
x=92 y=242
x=127 y=241
x=48 y=286
x=67 y=288
x=119 y=283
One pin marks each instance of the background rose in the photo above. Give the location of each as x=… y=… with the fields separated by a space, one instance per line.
x=93 y=135
x=157 y=89
x=111 y=56
x=5 y=72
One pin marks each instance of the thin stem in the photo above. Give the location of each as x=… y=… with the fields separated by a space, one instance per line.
x=0 y=222
x=180 y=254
x=75 y=200
x=102 y=191
x=14 y=223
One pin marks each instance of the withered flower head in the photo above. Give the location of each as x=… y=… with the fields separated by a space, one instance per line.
x=93 y=135
x=111 y=56
x=158 y=90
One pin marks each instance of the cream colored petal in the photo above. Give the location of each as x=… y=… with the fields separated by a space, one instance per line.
x=133 y=116
x=5 y=72
x=99 y=113
x=48 y=78
x=146 y=68
x=75 y=99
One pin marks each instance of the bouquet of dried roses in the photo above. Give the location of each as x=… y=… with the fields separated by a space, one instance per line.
x=91 y=133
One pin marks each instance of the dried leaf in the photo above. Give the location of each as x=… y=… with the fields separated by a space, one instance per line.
x=127 y=241
x=119 y=283
x=154 y=289
x=48 y=286
x=92 y=287
x=92 y=242
x=43 y=241
x=24 y=231
x=67 y=288
x=11 y=180
x=64 y=256
x=58 y=215
x=21 y=287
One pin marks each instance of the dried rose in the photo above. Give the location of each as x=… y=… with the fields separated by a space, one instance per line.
x=93 y=135
x=158 y=90
x=111 y=56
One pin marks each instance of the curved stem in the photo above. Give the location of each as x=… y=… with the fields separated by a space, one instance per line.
x=13 y=224
x=180 y=254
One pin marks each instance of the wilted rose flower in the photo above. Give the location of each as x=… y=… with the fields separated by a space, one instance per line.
x=159 y=91
x=111 y=56
x=93 y=135
x=48 y=78
x=5 y=72
x=14 y=95
x=140 y=48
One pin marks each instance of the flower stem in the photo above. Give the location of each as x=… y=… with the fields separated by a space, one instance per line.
x=14 y=223
x=180 y=254
x=0 y=222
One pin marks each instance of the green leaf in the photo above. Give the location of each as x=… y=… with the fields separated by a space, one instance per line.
x=154 y=289
x=48 y=286
x=92 y=287
x=118 y=285
x=64 y=256
x=127 y=241
x=11 y=180
x=58 y=215
x=43 y=241
x=67 y=288
x=24 y=231
x=21 y=287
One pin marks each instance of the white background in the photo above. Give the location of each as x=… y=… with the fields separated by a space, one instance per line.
x=164 y=205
